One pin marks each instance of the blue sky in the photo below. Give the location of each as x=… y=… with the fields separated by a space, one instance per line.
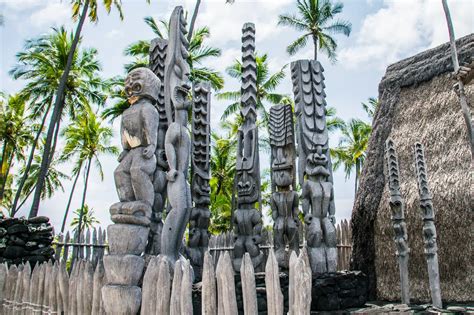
x=383 y=32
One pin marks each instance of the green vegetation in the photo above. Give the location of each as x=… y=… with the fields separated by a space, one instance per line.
x=315 y=19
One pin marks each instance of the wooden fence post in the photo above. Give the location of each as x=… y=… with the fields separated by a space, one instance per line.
x=163 y=292
x=63 y=281
x=272 y=285
x=149 y=287
x=3 y=284
x=186 y=294
x=99 y=282
x=208 y=292
x=175 y=307
x=227 y=302
x=249 y=293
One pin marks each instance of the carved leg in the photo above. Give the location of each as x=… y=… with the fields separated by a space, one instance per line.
x=293 y=239
x=177 y=219
x=331 y=243
x=141 y=171
x=279 y=242
x=317 y=254
x=123 y=180
x=239 y=251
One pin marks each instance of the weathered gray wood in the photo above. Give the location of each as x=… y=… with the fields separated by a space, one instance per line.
x=10 y=288
x=17 y=292
x=24 y=298
x=149 y=287
x=63 y=284
x=59 y=247
x=208 y=291
x=52 y=299
x=249 y=293
x=72 y=290
x=3 y=281
x=66 y=246
x=175 y=307
x=163 y=291
x=41 y=285
x=227 y=301
x=272 y=285
x=291 y=284
x=88 y=245
x=186 y=289
x=47 y=272
x=99 y=281
x=303 y=284
x=87 y=287
x=95 y=248
x=34 y=282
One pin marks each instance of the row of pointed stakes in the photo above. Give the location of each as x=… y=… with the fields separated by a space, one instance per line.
x=49 y=289
x=164 y=293
x=90 y=246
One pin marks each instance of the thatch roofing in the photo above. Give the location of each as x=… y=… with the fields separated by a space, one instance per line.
x=418 y=104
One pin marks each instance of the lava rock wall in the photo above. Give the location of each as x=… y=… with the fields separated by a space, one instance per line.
x=23 y=240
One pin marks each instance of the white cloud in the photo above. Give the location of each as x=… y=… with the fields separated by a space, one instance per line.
x=54 y=13
x=20 y=5
x=404 y=27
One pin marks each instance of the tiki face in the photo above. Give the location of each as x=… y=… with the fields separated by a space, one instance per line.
x=317 y=162
x=246 y=187
x=283 y=177
x=142 y=83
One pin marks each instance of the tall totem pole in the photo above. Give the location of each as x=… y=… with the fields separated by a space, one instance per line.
x=200 y=188
x=247 y=219
x=158 y=48
x=429 y=228
x=284 y=200
x=315 y=173
x=177 y=140
x=397 y=205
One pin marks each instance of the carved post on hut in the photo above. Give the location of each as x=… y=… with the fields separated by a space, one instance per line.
x=398 y=219
x=133 y=179
x=158 y=48
x=429 y=229
x=284 y=200
x=177 y=140
x=247 y=219
x=315 y=171
x=201 y=190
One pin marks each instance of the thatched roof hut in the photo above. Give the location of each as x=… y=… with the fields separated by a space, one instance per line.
x=417 y=103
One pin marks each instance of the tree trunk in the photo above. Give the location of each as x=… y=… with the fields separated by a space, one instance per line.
x=55 y=140
x=3 y=177
x=30 y=161
x=193 y=20
x=81 y=213
x=357 y=176
x=315 y=42
x=58 y=107
x=462 y=95
x=25 y=199
x=7 y=171
x=70 y=199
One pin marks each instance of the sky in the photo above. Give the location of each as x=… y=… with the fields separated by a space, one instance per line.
x=383 y=32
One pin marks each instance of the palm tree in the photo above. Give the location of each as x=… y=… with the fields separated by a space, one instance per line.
x=41 y=63
x=80 y=10
x=198 y=52
x=314 y=18
x=371 y=106
x=351 y=149
x=15 y=134
x=116 y=92
x=222 y=177
x=88 y=219
x=87 y=139
x=266 y=85
x=53 y=181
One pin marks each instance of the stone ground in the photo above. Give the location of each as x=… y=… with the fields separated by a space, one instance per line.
x=386 y=308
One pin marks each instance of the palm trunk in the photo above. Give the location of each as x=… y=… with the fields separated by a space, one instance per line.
x=3 y=177
x=30 y=161
x=58 y=107
x=315 y=42
x=70 y=199
x=193 y=20
x=55 y=140
x=357 y=176
x=24 y=200
x=81 y=213
x=7 y=171
x=462 y=95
